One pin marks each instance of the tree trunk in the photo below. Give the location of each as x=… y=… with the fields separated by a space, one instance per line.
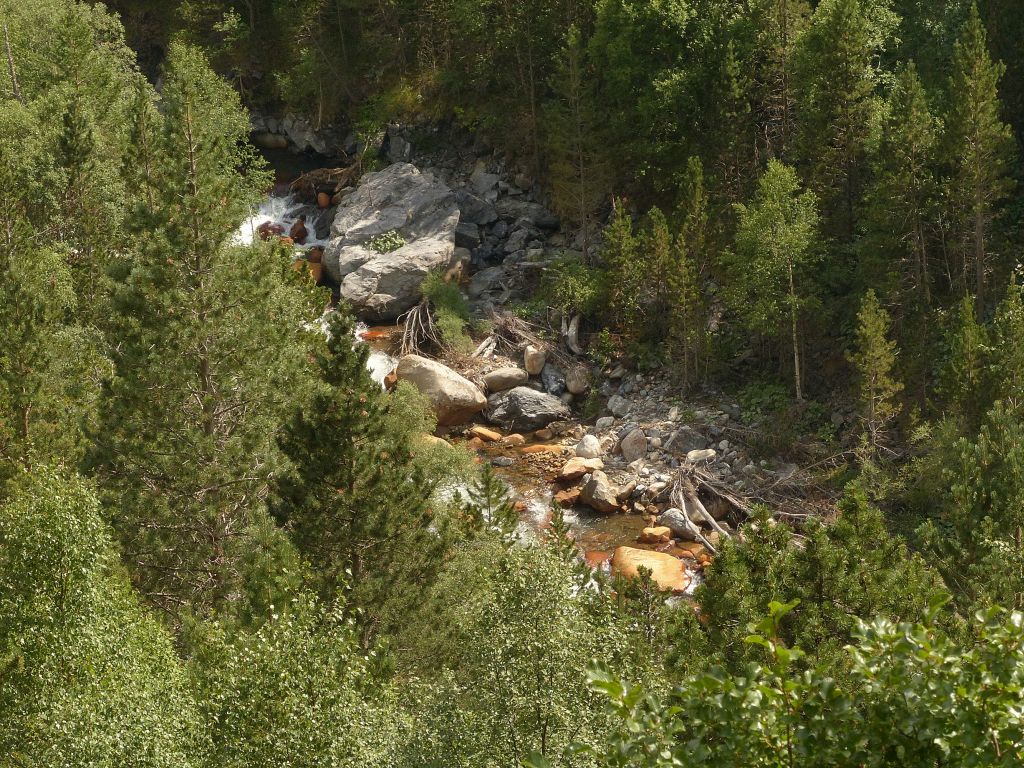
x=796 y=338
x=10 y=65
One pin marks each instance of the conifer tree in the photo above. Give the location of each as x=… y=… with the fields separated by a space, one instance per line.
x=904 y=195
x=838 y=78
x=780 y=25
x=687 y=336
x=874 y=359
x=489 y=507
x=354 y=501
x=621 y=254
x=657 y=247
x=980 y=148
x=211 y=348
x=966 y=379
x=578 y=172
x=775 y=245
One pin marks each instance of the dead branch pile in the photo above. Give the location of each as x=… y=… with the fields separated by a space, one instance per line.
x=794 y=497
x=328 y=180
x=513 y=334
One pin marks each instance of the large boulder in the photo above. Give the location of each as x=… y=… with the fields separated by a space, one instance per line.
x=523 y=409
x=667 y=571
x=417 y=207
x=454 y=398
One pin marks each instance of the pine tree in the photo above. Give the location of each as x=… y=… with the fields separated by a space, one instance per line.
x=780 y=25
x=687 y=337
x=965 y=383
x=874 y=359
x=775 y=246
x=838 y=79
x=489 y=507
x=580 y=176
x=211 y=349
x=354 y=501
x=980 y=149
x=904 y=195
x=620 y=253
x=657 y=247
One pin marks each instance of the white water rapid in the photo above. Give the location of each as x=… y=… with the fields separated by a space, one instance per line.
x=283 y=211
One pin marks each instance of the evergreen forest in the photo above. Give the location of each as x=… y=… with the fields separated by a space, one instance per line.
x=511 y=383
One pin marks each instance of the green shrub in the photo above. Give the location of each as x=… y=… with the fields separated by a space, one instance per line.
x=572 y=287
x=386 y=242
x=450 y=310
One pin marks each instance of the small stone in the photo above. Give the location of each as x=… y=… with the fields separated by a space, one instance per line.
x=514 y=440
x=598 y=493
x=704 y=455
x=543 y=434
x=503 y=461
x=604 y=423
x=534 y=359
x=656 y=535
x=589 y=447
x=619 y=406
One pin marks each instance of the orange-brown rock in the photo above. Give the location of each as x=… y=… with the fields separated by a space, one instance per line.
x=475 y=444
x=391 y=381
x=658 y=535
x=543 y=449
x=485 y=434
x=298 y=233
x=268 y=229
x=543 y=434
x=286 y=241
x=315 y=255
x=576 y=468
x=568 y=497
x=323 y=200
x=668 y=572
x=514 y=440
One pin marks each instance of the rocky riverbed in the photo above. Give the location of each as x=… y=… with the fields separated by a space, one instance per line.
x=613 y=447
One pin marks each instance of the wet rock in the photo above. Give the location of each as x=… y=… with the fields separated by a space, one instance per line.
x=505 y=378
x=485 y=434
x=514 y=440
x=634 y=446
x=667 y=572
x=656 y=535
x=454 y=398
x=524 y=409
x=534 y=360
x=502 y=461
x=589 y=447
x=568 y=497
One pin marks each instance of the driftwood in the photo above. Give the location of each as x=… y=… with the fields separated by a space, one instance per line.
x=418 y=329
x=328 y=180
x=684 y=498
x=486 y=348
x=571 y=335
